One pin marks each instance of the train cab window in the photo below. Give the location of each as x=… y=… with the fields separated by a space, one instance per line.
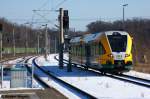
x=118 y=42
x=101 y=49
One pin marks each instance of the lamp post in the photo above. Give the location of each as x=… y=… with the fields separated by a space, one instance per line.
x=38 y=41
x=14 y=48
x=123 y=15
x=61 y=38
x=26 y=43
x=46 y=41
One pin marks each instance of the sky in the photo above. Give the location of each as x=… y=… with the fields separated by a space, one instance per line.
x=81 y=12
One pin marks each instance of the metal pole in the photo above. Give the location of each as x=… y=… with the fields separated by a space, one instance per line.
x=32 y=74
x=38 y=43
x=123 y=16
x=61 y=39
x=1 y=45
x=69 y=67
x=14 y=48
x=46 y=42
x=26 y=42
x=1 y=76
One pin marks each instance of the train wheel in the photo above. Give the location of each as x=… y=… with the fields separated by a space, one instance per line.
x=102 y=72
x=86 y=67
x=120 y=73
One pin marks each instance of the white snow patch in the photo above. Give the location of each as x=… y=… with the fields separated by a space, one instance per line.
x=100 y=86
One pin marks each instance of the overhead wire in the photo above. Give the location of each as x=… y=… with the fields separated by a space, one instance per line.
x=60 y=4
x=43 y=5
x=42 y=16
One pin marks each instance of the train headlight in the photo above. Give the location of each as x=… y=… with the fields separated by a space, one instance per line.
x=110 y=55
x=127 y=55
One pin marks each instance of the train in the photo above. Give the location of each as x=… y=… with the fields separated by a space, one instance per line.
x=107 y=51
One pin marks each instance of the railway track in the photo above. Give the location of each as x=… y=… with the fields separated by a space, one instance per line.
x=131 y=79
x=77 y=90
x=45 y=85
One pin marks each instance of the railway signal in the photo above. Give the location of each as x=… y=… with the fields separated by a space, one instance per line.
x=66 y=20
x=64 y=25
x=1 y=27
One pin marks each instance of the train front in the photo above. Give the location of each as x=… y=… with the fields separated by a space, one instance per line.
x=120 y=56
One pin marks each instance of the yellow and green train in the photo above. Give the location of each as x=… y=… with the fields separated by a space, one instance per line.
x=106 y=51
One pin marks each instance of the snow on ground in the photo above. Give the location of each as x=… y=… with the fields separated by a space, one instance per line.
x=11 y=62
x=35 y=83
x=138 y=74
x=66 y=91
x=100 y=86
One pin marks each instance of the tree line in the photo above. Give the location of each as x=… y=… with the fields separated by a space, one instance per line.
x=138 y=28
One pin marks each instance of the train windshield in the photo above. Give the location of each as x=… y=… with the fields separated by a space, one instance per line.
x=118 y=43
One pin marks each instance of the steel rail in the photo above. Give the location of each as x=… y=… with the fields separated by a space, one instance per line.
x=45 y=85
x=128 y=80
x=133 y=77
x=135 y=80
x=89 y=96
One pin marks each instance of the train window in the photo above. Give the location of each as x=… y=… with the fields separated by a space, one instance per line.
x=73 y=50
x=92 y=50
x=83 y=50
x=96 y=49
x=118 y=43
x=80 y=50
x=76 y=51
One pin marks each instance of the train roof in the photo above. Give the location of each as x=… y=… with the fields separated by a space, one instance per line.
x=113 y=32
x=93 y=37
x=86 y=38
x=75 y=39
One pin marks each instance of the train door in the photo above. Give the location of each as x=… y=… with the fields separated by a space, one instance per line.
x=88 y=55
